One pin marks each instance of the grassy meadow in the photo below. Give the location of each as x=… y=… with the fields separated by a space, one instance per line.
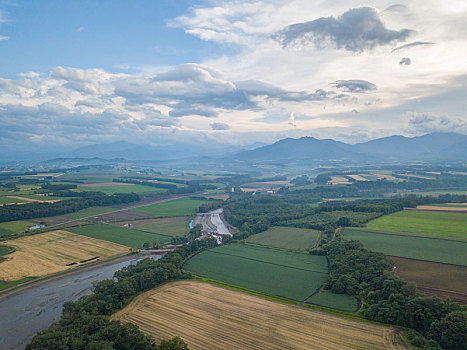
x=413 y=247
x=178 y=207
x=286 y=237
x=124 y=236
x=286 y=274
x=433 y=223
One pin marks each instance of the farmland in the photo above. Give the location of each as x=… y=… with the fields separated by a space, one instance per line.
x=211 y=317
x=422 y=222
x=166 y=228
x=178 y=207
x=128 y=237
x=121 y=189
x=11 y=227
x=336 y=301
x=413 y=247
x=434 y=278
x=291 y=275
x=46 y=253
x=286 y=237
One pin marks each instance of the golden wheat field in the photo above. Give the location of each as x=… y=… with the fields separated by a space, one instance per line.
x=212 y=317
x=50 y=252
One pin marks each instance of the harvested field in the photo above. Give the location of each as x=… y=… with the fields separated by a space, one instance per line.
x=126 y=236
x=26 y=199
x=441 y=224
x=383 y=176
x=339 y=180
x=224 y=197
x=106 y=184
x=358 y=177
x=286 y=237
x=50 y=252
x=142 y=222
x=414 y=247
x=210 y=317
x=281 y=273
x=436 y=279
x=9 y=200
x=440 y=208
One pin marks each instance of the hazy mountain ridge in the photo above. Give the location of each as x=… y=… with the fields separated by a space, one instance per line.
x=434 y=146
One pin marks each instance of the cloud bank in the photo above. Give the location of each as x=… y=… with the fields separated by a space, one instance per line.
x=356 y=30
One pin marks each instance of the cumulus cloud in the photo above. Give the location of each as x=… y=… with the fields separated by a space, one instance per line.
x=219 y=126
x=356 y=30
x=354 y=85
x=405 y=61
x=431 y=122
x=414 y=44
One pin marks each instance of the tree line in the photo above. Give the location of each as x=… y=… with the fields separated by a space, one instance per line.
x=389 y=299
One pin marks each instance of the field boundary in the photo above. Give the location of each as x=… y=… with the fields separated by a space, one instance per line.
x=270 y=263
x=404 y=233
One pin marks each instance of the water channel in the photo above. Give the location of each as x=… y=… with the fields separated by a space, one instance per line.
x=36 y=307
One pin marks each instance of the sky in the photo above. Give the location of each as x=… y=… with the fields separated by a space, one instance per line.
x=74 y=73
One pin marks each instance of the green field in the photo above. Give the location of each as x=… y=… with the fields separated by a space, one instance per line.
x=166 y=228
x=121 y=189
x=413 y=247
x=336 y=301
x=178 y=207
x=281 y=273
x=442 y=224
x=6 y=200
x=92 y=211
x=286 y=237
x=124 y=236
x=8 y=228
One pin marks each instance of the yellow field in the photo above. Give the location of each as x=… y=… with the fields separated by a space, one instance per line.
x=50 y=252
x=211 y=317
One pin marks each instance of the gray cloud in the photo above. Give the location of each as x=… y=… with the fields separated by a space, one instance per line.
x=405 y=61
x=396 y=7
x=354 y=85
x=431 y=122
x=201 y=111
x=219 y=126
x=414 y=44
x=356 y=30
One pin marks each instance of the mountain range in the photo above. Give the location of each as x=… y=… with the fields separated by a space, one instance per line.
x=430 y=147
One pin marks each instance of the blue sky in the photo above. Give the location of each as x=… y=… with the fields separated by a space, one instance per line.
x=96 y=34
x=236 y=72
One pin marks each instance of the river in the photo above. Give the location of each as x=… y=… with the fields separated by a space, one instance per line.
x=35 y=308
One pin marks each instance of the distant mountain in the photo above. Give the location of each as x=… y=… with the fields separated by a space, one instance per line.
x=302 y=148
x=434 y=146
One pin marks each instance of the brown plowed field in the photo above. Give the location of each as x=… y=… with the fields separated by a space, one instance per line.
x=210 y=317
x=46 y=253
x=153 y=221
x=443 y=280
x=435 y=208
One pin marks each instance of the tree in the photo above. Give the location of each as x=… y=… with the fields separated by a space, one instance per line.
x=176 y=343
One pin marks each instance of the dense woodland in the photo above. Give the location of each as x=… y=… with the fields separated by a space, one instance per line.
x=84 y=324
x=84 y=200
x=389 y=299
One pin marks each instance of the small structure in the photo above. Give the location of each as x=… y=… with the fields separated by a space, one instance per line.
x=36 y=227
